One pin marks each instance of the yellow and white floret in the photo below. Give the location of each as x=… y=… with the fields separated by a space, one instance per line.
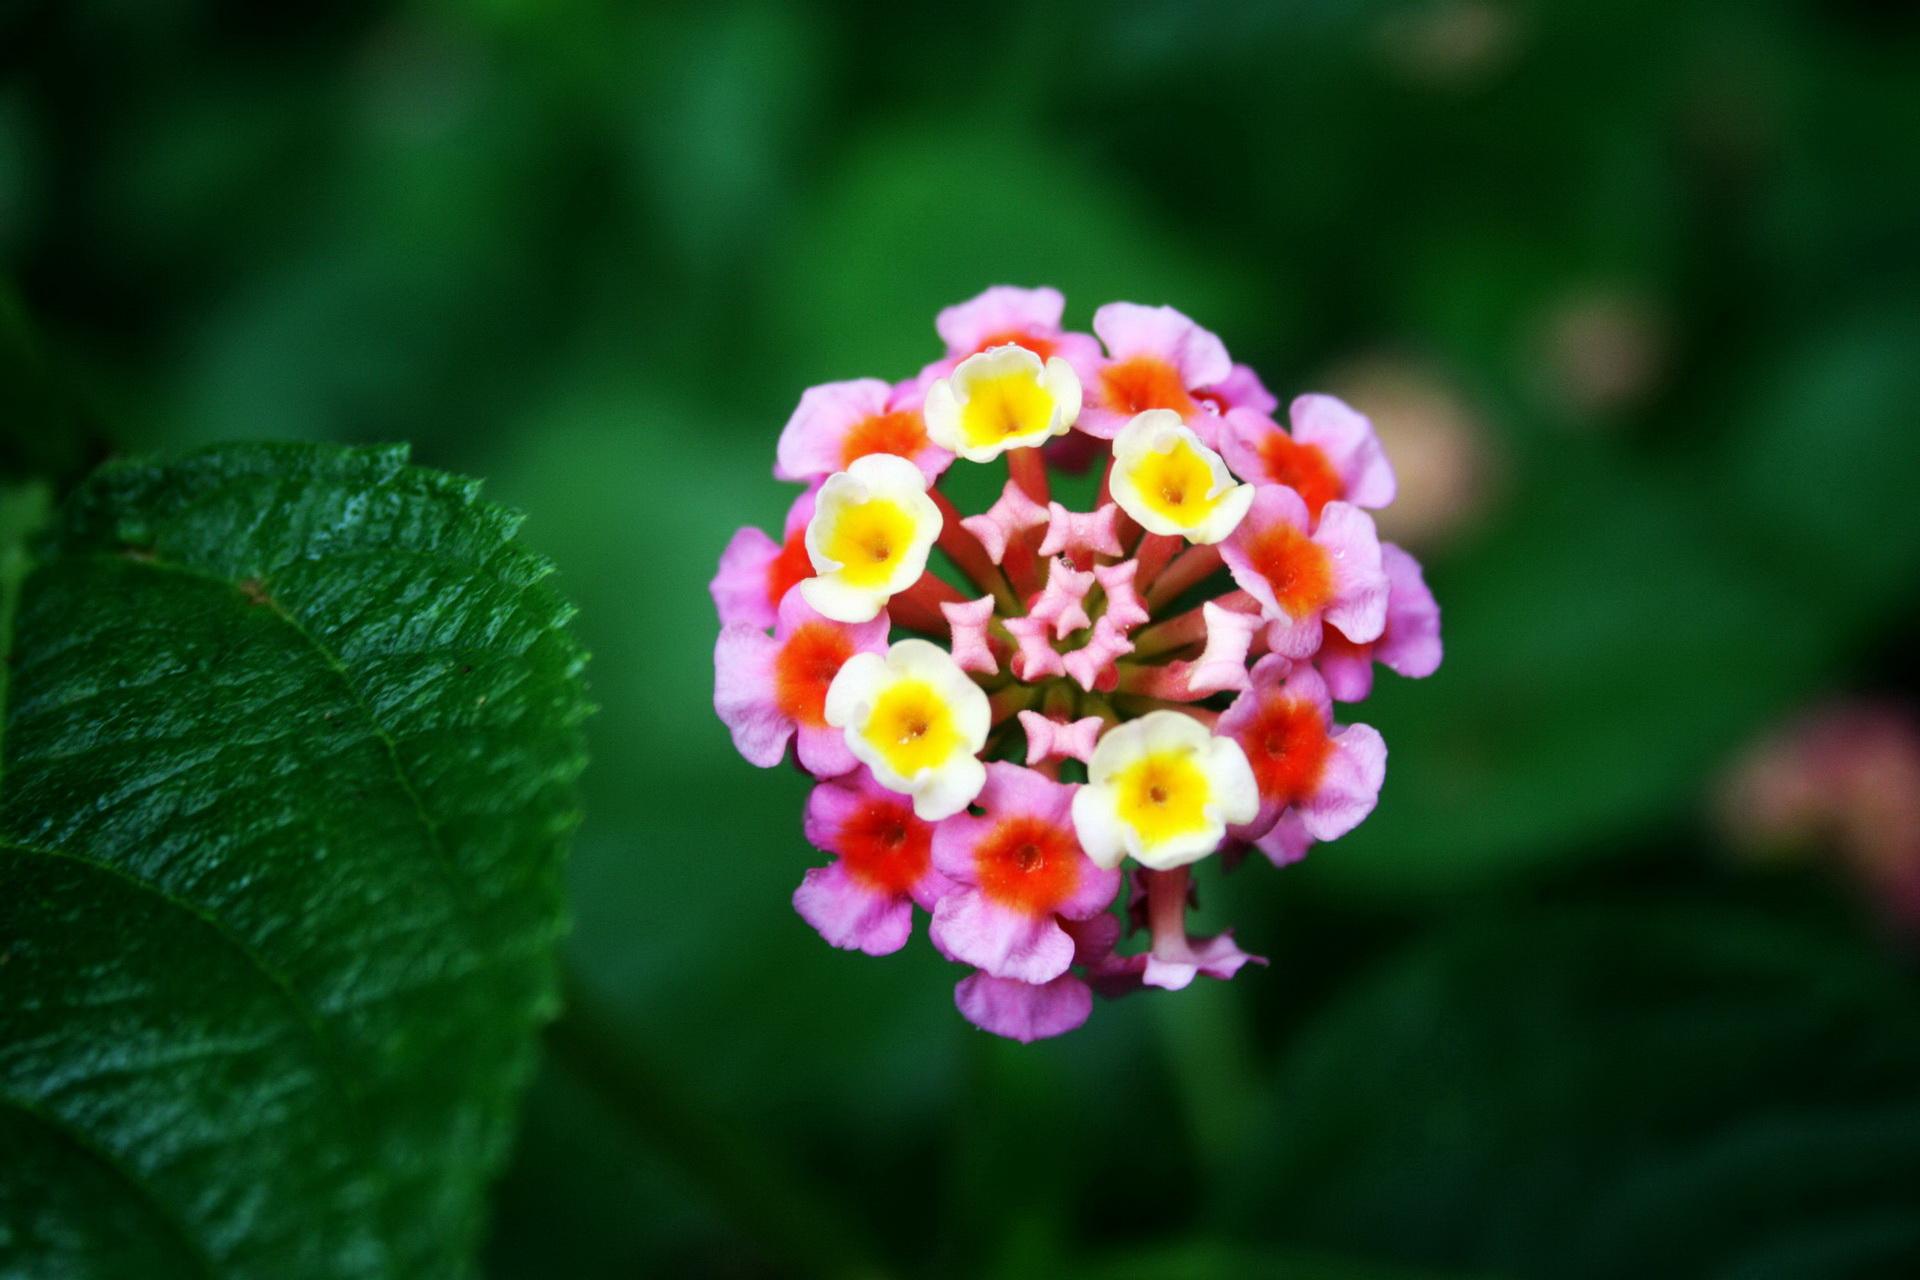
x=917 y=721
x=1003 y=398
x=1163 y=790
x=1168 y=481
x=872 y=527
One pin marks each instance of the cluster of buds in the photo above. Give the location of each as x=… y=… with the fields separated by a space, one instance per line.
x=1038 y=759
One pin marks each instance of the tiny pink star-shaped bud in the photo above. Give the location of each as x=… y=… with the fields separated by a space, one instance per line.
x=1124 y=609
x=1013 y=513
x=1081 y=536
x=1087 y=665
x=1223 y=663
x=968 y=622
x=1048 y=738
x=1037 y=658
x=1064 y=602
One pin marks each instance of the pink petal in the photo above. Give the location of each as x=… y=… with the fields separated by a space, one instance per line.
x=1094 y=664
x=866 y=637
x=1014 y=512
x=823 y=750
x=1013 y=791
x=813 y=442
x=1222 y=665
x=1129 y=329
x=743 y=694
x=1350 y=787
x=739 y=589
x=1242 y=432
x=1295 y=637
x=1359 y=605
x=1000 y=310
x=1023 y=1012
x=1346 y=436
x=1273 y=504
x=1124 y=608
x=850 y=915
x=968 y=624
x=1063 y=602
x=1240 y=389
x=1216 y=957
x=1346 y=666
x=1036 y=657
x=1049 y=739
x=1286 y=842
x=1008 y=944
x=1079 y=536
x=1410 y=645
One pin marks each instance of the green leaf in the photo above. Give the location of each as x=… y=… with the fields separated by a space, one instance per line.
x=1606 y=1092
x=289 y=773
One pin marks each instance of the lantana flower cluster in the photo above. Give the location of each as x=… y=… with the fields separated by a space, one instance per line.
x=1034 y=744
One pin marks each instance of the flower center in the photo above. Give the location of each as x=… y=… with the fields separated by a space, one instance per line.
x=809 y=659
x=1000 y=408
x=1028 y=863
x=1288 y=747
x=1163 y=796
x=884 y=845
x=913 y=727
x=1146 y=382
x=1176 y=484
x=1303 y=468
x=901 y=433
x=868 y=539
x=1295 y=566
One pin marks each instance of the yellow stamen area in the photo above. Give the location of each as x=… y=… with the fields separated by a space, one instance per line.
x=1176 y=484
x=868 y=540
x=1163 y=796
x=1013 y=404
x=913 y=727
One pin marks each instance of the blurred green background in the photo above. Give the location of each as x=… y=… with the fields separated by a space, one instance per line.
x=1633 y=292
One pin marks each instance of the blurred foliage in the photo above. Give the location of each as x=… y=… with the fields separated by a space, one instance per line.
x=594 y=252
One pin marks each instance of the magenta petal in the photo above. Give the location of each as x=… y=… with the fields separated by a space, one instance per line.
x=851 y=916
x=1006 y=943
x=1023 y=1011
x=743 y=694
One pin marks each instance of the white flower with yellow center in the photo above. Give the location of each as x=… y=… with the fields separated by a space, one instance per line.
x=914 y=718
x=1163 y=790
x=872 y=527
x=1170 y=482
x=1002 y=399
